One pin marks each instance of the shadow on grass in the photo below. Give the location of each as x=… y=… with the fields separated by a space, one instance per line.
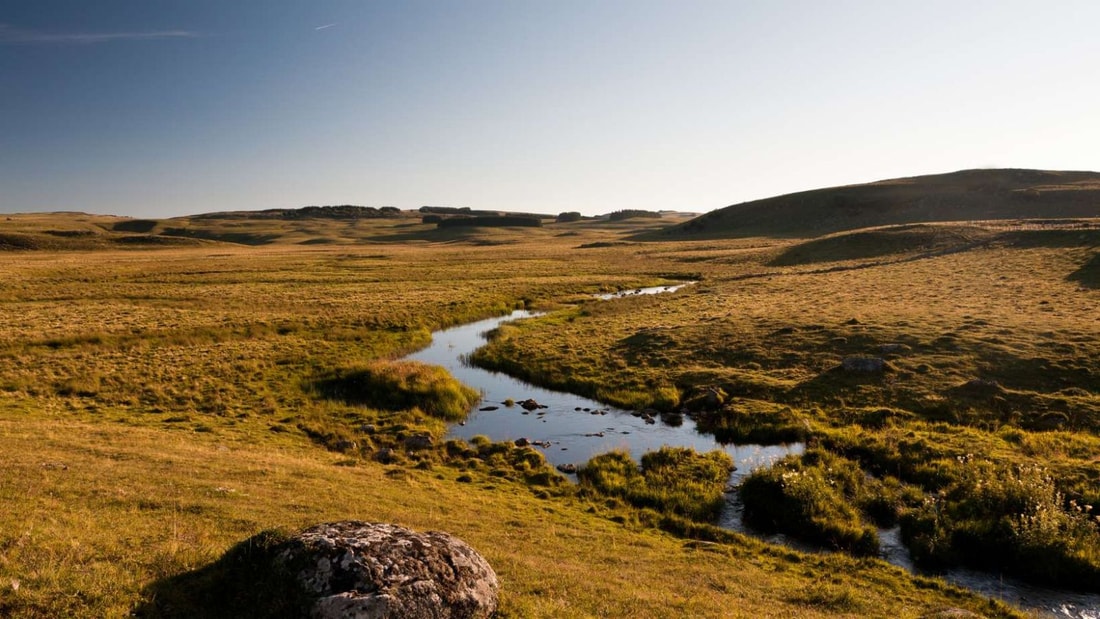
x=241 y=238
x=244 y=582
x=471 y=235
x=880 y=243
x=1088 y=276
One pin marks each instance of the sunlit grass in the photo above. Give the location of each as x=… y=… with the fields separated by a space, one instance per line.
x=158 y=406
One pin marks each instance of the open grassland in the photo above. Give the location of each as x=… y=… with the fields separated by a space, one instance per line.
x=158 y=406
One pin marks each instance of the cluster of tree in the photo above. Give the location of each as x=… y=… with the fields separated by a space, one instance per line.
x=343 y=211
x=568 y=217
x=446 y=210
x=631 y=213
x=490 y=221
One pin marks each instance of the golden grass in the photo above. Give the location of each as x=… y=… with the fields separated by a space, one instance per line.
x=95 y=513
x=156 y=405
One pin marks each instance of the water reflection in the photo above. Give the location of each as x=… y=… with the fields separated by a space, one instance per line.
x=575 y=427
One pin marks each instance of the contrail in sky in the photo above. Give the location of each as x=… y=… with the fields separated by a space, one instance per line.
x=325 y=26
x=17 y=36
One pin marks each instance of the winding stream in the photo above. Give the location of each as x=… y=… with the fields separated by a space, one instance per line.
x=572 y=429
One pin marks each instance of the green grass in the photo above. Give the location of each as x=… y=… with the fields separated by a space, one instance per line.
x=671 y=480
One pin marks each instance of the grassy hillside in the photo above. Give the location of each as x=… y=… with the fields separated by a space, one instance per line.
x=969 y=195
x=159 y=406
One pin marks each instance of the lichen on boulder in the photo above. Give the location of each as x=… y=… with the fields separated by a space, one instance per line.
x=369 y=570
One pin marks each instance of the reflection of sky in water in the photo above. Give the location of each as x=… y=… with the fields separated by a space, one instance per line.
x=577 y=435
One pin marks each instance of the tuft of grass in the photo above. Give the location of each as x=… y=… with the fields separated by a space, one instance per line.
x=401 y=385
x=816 y=497
x=837 y=598
x=671 y=480
x=1011 y=518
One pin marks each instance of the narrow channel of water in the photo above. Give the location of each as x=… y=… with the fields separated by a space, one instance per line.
x=575 y=427
x=572 y=429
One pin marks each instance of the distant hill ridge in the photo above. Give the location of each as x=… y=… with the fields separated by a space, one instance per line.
x=968 y=195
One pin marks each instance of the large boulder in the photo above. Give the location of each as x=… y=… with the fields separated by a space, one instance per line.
x=365 y=570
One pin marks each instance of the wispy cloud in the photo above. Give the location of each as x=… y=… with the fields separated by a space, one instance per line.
x=19 y=36
x=325 y=26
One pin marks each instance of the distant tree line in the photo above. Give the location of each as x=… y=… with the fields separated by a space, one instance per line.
x=568 y=217
x=490 y=221
x=446 y=210
x=343 y=211
x=632 y=213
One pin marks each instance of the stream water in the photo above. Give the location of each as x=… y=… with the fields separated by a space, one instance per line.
x=571 y=429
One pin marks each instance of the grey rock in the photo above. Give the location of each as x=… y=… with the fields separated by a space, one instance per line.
x=894 y=348
x=366 y=570
x=419 y=441
x=863 y=365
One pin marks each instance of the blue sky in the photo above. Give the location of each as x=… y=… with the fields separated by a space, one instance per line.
x=170 y=107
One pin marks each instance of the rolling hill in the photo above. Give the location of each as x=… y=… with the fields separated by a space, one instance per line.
x=968 y=195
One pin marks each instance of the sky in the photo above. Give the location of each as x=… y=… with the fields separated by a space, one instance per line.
x=172 y=107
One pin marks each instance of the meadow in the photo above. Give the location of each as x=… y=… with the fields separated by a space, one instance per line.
x=165 y=398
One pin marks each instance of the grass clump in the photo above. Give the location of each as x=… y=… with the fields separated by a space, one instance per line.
x=754 y=421
x=402 y=385
x=671 y=480
x=823 y=498
x=1007 y=517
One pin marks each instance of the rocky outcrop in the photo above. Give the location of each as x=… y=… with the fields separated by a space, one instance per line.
x=366 y=571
